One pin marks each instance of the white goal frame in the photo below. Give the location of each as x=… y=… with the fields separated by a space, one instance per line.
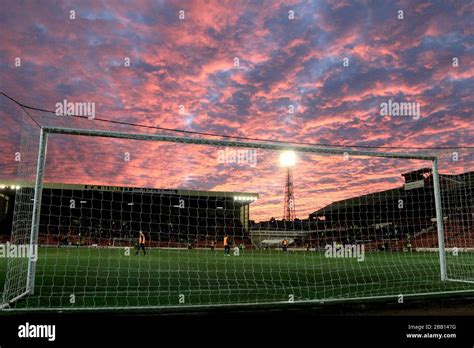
x=41 y=162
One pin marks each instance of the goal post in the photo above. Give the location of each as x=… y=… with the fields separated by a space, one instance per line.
x=216 y=244
x=38 y=193
x=439 y=221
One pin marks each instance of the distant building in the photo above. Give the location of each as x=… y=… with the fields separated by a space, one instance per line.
x=102 y=213
x=394 y=214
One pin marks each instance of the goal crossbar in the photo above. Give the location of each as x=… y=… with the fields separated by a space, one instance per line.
x=216 y=142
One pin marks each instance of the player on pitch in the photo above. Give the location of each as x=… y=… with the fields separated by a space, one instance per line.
x=141 y=243
x=226 y=246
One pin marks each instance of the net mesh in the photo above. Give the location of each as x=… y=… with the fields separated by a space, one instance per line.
x=212 y=224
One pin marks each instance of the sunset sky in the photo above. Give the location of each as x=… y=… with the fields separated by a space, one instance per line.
x=241 y=68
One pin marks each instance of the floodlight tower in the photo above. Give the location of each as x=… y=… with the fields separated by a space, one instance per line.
x=288 y=160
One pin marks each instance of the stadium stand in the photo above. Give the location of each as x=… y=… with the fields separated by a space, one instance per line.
x=109 y=217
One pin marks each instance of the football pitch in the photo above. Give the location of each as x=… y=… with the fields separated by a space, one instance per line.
x=81 y=278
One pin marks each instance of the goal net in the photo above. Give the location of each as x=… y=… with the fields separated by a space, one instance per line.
x=128 y=217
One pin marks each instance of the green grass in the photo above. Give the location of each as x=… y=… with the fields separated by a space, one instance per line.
x=108 y=278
